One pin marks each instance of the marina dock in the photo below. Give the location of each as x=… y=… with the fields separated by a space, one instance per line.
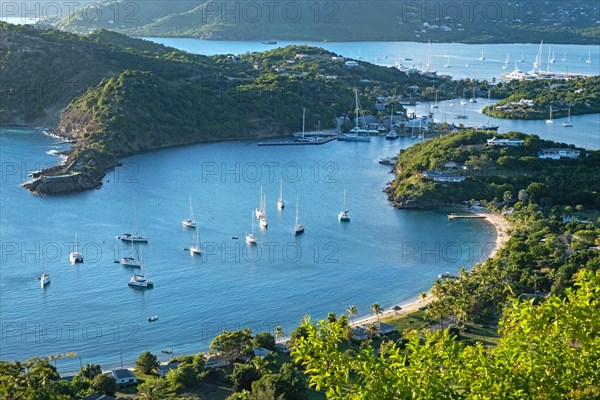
x=299 y=143
x=465 y=216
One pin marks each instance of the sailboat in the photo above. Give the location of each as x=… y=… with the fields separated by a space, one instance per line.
x=280 y=203
x=447 y=65
x=358 y=131
x=75 y=257
x=132 y=260
x=435 y=104
x=190 y=222
x=250 y=239
x=473 y=97
x=134 y=237
x=552 y=61
x=506 y=61
x=564 y=57
x=462 y=114
x=391 y=135
x=568 y=122
x=589 y=58
x=482 y=57
x=140 y=280
x=259 y=212
x=522 y=59
x=263 y=205
x=550 y=120
x=45 y=278
x=343 y=215
x=196 y=248
x=298 y=228
x=467 y=63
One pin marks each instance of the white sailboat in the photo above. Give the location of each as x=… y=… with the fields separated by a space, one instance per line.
x=190 y=222
x=462 y=114
x=75 y=257
x=589 y=58
x=263 y=220
x=343 y=215
x=550 y=120
x=447 y=65
x=298 y=228
x=195 y=248
x=568 y=122
x=259 y=211
x=564 y=57
x=140 y=280
x=132 y=260
x=435 y=104
x=134 y=237
x=482 y=57
x=506 y=62
x=522 y=59
x=472 y=100
x=44 y=278
x=391 y=135
x=552 y=61
x=250 y=238
x=280 y=202
x=361 y=130
x=467 y=63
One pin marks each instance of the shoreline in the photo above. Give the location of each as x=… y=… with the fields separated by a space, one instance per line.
x=501 y=227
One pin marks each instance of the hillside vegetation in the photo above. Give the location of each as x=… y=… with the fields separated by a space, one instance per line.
x=487 y=22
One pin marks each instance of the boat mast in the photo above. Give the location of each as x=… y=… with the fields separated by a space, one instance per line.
x=303 y=119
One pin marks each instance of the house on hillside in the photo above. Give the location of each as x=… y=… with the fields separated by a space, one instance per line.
x=558 y=153
x=505 y=142
x=123 y=376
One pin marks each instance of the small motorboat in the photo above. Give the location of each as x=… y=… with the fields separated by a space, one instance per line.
x=152 y=318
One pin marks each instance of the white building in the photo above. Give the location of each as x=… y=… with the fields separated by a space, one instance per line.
x=440 y=176
x=350 y=64
x=505 y=142
x=162 y=370
x=123 y=376
x=558 y=153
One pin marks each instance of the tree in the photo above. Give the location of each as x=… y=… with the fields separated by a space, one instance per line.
x=264 y=339
x=331 y=317
x=198 y=363
x=90 y=371
x=233 y=344
x=376 y=309
x=278 y=332
x=146 y=362
x=546 y=351
x=154 y=389
x=243 y=375
x=105 y=384
x=184 y=375
x=352 y=311
x=372 y=330
x=423 y=296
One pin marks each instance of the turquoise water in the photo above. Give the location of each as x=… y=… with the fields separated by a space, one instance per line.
x=391 y=53
x=383 y=255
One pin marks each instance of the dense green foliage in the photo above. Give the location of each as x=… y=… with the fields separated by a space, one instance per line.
x=492 y=171
x=233 y=344
x=546 y=351
x=581 y=96
x=146 y=362
x=352 y=20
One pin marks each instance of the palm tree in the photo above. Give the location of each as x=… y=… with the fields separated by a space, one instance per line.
x=331 y=317
x=352 y=311
x=261 y=365
x=423 y=296
x=348 y=331
x=372 y=330
x=278 y=332
x=376 y=309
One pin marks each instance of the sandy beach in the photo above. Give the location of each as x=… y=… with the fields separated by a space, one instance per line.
x=501 y=227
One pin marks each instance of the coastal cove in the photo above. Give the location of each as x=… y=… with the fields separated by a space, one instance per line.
x=230 y=286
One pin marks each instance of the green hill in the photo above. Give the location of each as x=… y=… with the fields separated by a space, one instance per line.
x=352 y=20
x=115 y=95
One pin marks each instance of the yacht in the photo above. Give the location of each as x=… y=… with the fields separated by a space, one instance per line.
x=259 y=211
x=343 y=215
x=550 y=120
x=392 y=135
x=482 y=57
x=75 y=257
x=388 y=160
x=353 y=137
x=132 y=260
x=280 y=203
x=195 y=248
x=298 y=228
x=45 y=278
x=140 y=280
x=568 y=122
x=250 y=238
x=133 y=237
x=358 y=130
x=190 y=222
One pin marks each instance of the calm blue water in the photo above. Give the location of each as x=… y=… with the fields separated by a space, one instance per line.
x=383 y=255
x=390 y=53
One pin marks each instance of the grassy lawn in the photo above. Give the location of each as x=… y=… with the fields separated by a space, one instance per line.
x=487 y=336
x=415 y=320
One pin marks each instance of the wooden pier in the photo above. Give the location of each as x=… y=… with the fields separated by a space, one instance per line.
x=296 y=143
x=465 y=216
